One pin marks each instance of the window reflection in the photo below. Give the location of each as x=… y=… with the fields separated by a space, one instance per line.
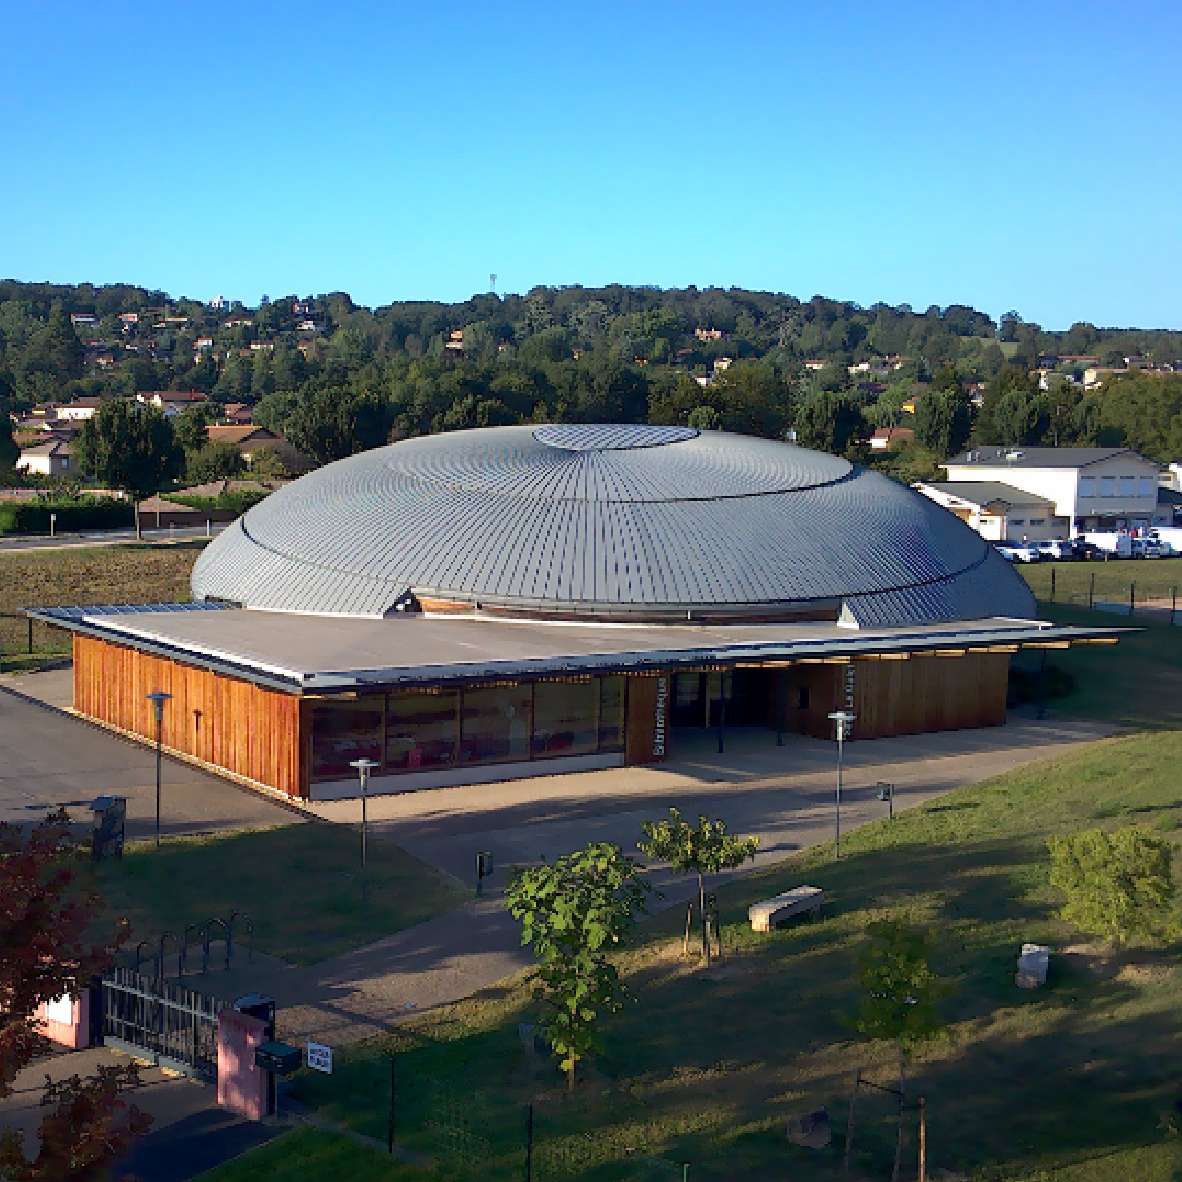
x=422 y=730
x=496 y=723
x=344 y=731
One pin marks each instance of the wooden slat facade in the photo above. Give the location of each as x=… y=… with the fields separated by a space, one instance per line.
x=896 y=697
x=253 y=732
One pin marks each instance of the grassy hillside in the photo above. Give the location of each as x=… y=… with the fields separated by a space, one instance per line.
x=1076 y=1081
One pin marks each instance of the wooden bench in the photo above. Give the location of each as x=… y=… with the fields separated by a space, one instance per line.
x=805 y=900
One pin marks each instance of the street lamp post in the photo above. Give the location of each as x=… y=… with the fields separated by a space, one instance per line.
x=364 y=767
x=158 y=699
x=841 y=719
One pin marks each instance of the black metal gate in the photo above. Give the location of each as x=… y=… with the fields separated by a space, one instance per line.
x=173 y=1026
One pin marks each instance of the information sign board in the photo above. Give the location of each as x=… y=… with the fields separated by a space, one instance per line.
x=319 y=1057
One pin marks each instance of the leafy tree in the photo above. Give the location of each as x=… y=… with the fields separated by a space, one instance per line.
x=220 y=460
x=331 y=424
x=129 y=446
x=46 y=950
x=943 y=418
x=703 y=418
x=574 y=913
x=829 y=421
x=897 y=995
x=191 y=426
x=9 y=452
x=703 y=849
x=1118 y=885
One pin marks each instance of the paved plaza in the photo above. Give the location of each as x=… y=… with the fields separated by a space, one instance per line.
x=783 y=794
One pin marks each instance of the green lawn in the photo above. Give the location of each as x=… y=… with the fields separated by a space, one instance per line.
x=1110 y=581
x=305 y=1154
x=1135 y=684
x=1075 y=1082
x=300 y=884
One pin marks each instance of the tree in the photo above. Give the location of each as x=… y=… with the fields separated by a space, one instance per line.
x=1118 y=885
x=943 y=418
x=828 y=421
x=573 y=913
x=897 y=996
x=701 y=850
x=331 y=423
x=129 y=446
x=45 y=952
x=9 y=452
x=219 y=460
x=191 y=426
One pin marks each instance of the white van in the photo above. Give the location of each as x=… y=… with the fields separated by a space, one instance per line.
x=1118 y=545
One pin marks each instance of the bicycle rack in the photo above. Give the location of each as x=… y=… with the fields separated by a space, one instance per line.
x=200 y=930
x=224 y=937
x=160 y=953
x=138 y=957
x=249 y=931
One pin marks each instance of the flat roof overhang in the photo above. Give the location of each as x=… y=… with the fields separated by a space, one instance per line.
x=324 y=655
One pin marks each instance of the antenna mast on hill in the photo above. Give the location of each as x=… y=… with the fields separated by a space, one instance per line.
x=492 y=283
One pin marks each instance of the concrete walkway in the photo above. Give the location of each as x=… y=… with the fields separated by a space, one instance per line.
x=49 y=758
x=784 y=795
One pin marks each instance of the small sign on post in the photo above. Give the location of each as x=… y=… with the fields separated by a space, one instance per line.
x=484 y=868
x=319 y=1057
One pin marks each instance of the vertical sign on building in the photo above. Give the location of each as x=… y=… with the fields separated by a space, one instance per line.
x=660 y=716
x=848 y=696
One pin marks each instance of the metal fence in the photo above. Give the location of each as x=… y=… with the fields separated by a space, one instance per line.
x=175 y=1026
x=21 y=634
x=1152 y=598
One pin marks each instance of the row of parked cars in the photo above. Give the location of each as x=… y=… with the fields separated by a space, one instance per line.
x=1081 y=550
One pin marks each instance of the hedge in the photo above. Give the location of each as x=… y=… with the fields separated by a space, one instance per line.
x=32 y=517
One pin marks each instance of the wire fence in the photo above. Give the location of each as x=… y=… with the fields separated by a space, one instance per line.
x=21 y=635
x=1120 y=591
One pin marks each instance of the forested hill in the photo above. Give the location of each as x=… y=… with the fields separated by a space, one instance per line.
x=337 y=377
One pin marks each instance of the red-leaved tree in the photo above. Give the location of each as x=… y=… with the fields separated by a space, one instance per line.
x=47 y=949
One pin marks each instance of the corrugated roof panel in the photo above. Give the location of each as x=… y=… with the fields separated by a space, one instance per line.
x=661 y=517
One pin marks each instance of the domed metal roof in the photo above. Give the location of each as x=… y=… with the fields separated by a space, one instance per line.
x=608 y=522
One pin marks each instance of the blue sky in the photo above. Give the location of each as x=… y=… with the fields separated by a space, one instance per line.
x=1019 y=156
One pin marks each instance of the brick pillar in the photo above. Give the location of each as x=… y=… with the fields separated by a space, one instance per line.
x=66 y=1020
x=242 y=1087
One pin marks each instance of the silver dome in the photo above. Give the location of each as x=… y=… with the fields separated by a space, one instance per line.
x=609 y=522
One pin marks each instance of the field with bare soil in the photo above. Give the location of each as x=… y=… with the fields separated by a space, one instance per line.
x=135 y=573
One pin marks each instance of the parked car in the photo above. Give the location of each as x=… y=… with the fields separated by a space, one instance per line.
x=1151 y=548
x=1057 y=548
x=1114 y=545
x=1018 y=551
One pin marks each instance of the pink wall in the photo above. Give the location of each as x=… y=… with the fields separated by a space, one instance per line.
x=242 y=1087
x=67 y=1020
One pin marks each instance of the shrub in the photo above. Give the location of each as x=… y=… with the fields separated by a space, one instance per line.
x=1118 y=885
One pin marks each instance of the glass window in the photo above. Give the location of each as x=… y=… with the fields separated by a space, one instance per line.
x=1087 y=486
x=1108 y=486
x=344 y=731
x=566 y=718
x=422 y=730
x=1128 y=486
x=1147 y=488
x=1038 y=521
x=496 y=723
x=611 y=714
x=1017 y=521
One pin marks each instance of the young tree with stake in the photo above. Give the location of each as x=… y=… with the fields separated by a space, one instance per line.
x=897 y=996
x=573 y=913
x=705 y=849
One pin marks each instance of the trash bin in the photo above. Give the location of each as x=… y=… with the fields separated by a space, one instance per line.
x=110 y=821
x=259 y=1005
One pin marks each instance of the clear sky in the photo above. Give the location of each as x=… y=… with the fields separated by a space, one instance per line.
x=1006 y=155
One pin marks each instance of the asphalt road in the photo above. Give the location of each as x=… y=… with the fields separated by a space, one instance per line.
x=106 y=537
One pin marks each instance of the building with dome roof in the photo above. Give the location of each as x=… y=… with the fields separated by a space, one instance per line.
x=495 y=603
